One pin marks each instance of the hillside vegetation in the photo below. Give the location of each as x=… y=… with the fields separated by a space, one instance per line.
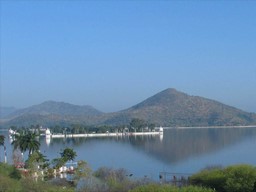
x=167 y=108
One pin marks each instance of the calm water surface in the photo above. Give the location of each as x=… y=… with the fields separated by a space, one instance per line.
x=177 y=151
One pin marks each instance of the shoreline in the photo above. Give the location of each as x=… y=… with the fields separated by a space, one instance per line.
x=213 y=127
x=102 y=134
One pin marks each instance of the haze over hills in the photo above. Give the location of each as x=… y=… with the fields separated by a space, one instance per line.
x=50 y=113
x=5 y=111
x=167 y=108
x=57 y=108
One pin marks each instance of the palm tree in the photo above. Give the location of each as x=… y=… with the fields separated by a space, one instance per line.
x=26 y=141
x=68 y=154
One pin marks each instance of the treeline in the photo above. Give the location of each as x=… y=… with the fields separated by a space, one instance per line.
x=136 y=125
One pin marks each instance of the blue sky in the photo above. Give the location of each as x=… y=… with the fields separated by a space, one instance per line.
x=114 y=54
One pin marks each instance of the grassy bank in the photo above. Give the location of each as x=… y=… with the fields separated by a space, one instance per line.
x=235 y=178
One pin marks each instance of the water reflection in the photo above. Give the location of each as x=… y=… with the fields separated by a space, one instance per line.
x=175 y=145
x=47 y=140
x=180 y=150
x=180 y=144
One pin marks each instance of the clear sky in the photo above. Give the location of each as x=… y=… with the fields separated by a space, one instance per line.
x=114 y=54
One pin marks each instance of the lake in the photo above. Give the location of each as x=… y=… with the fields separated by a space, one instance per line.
x=177 y=150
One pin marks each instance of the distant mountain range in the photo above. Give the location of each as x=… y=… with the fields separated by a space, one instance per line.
x=167 y=108
x=57 y=108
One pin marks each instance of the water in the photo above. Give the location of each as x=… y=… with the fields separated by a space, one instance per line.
x=177 y=151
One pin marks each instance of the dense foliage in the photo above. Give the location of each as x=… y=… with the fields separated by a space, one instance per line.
x=136 y=125
x=26 y=141
x=11 y=181
x=2 y=140
x=68 y=154
x=235 y=178
x=169 y=188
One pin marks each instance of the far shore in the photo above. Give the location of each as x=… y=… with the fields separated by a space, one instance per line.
x=142 y=133
x=153 y=133
x=212 y=127
x=104 y=134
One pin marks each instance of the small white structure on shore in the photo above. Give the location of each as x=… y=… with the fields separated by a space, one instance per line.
x=160 y=130
x=47 y=132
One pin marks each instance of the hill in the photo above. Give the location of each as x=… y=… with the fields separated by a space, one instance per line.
x=173 y=108
x=57 y=108
x=50 y=113
x=167 y=108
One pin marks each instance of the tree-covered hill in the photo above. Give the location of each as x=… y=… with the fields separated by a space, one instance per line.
x=56 y=108
x=167 y=108
x=173 y=108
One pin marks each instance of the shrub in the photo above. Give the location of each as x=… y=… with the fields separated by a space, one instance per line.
x=89 y=184
x=214 y=178
x=8 y=185
x=40 y=186
x=105 y=174
x=168 y=188
x=15 y=174
x=5 y=169
x=240 y=178
x=235 y=178
x=115 y=180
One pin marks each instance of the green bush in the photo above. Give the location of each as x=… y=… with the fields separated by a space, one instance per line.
x=15 y=174
x=169 y=188
x=195 y=189
x=10 y=181
x=235 y=178
x=5 y=169
x=9 y=185
x=240 y=178
x=41 y=186
x=214 y=179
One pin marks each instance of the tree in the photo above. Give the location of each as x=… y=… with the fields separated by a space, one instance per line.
x=83 y=171
x=26 y=141
x=151 y=126
x=137 y=124
x=37 y=161
x=58 y=162
x=2 y=138
x=68 y=154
